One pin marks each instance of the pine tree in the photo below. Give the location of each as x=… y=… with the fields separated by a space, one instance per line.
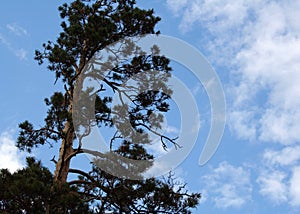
x=31 y=190
x=88 y=27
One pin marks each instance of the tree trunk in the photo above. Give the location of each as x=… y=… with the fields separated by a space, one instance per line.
x=66 y=148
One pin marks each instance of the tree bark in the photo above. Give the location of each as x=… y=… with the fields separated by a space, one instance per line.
x=66 y=148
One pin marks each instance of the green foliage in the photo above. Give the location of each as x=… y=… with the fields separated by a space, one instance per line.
x=165 y=195
x=88 y=28
x=32 y=190
x=57 y=115
x=29 y=138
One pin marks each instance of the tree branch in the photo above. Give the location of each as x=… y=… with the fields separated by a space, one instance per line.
x=77 y=171
x=79 y=182
x=162 y=137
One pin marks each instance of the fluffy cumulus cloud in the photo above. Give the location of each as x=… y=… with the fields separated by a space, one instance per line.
x=288 y=156
x=273 y=186
x=228 y=186
x=10 y=157
x=258 y=40
x=279 y=179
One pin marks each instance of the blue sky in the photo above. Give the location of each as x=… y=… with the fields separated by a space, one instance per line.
x=254 y=48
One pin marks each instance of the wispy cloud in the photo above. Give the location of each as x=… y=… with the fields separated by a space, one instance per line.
x=228 y=186
x=197 y=89
x=10 y=157
x=21 y=53
x=4 y=41
x=18 y=52
x=17 y=29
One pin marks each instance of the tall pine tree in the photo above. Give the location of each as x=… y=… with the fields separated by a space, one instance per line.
x=87 y=28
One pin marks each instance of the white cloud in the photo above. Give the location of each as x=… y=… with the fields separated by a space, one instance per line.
x=204 y=196
x=286 y=157
x=10 y=157
x=238 y=121
x=270 y=65
x=295 y=187
x=228 y=186
x=259 y=41
x=216 y=14
x=176 y=5
x=17 y=29
x=272 y=61
x=156 y=148
x=171 y=130
x=280 y=126
x=279 y=178
x=3 y=40
x=273 y=186
x=20 y=53
x=197 y=88
x=280 y=185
